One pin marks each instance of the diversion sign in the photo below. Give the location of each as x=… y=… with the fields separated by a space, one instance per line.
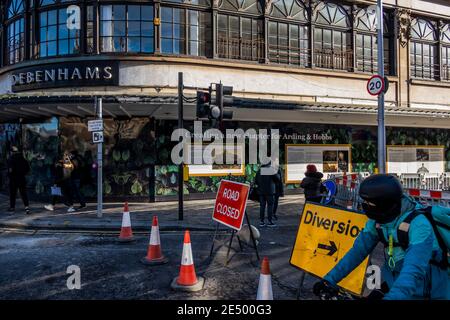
x=324 y=236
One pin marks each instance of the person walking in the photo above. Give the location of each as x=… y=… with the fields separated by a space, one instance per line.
x=18 y=168
x=75 y=178
x=62 y=174
x=311 y=183
x=266 y=184
x=279 y=192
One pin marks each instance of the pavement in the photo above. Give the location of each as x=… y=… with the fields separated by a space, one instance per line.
x=197 y=216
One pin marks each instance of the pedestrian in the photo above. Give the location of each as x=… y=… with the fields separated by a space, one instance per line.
x=312 y=183
x=62 y=173
x=61 y=187
x=266 y=180
x=76 y=175
x=18 y=168
x=279 y=192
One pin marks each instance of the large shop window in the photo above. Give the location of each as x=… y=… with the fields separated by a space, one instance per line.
x=424 y=50
x=240 y=37
x=126 y=28
x=55 y=39
x=15 y=35
x=289 y=41
x=366 y=42
x=185 y=31
x=332 y=37
x=445 y=39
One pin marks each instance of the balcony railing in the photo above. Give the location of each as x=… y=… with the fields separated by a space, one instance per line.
x=331 y=59
x=238 y=48
x=289 y=55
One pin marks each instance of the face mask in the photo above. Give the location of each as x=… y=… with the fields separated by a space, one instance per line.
x=381 y=214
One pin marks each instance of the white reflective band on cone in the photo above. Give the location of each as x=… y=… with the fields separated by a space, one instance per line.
x=126 y=222
x=265 y=287
x=154 y=236
x=187 y=259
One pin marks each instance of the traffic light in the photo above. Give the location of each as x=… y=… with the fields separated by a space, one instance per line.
x=203 y=104
x=224 y=99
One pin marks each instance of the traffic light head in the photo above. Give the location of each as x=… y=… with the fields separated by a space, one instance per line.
x=203 y=101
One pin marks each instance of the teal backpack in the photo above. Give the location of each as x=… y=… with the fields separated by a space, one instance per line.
x=439 y=218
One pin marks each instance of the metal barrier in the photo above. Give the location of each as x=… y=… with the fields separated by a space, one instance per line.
x=347 y=190
x=429 y=188
x=431 y=197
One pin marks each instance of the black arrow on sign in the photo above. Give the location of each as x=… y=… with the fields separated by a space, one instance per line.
x=332 y=247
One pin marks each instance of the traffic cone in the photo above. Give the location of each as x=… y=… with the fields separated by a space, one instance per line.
x=265 y=282
x=154 y=254
x=126 y=234
x=187 y=279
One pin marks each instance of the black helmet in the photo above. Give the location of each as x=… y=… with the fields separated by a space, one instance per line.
x=382 y=197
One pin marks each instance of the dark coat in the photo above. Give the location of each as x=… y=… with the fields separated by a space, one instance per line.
x=279 y=188
x=267 y=184
x=311 y=183
x=18 y=167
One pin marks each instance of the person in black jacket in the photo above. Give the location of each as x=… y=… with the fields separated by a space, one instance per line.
x=75 y=177
x=266 y=184
x=279 y=192
x=18 y=168
x=61 y=179
x=312 y=184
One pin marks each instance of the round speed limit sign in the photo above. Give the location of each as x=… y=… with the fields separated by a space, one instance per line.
x=375 y=85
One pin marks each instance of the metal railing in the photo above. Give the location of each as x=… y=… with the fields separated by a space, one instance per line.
x=331 y=59
x=239 y=48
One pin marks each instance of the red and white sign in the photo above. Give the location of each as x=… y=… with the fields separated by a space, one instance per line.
x=231 y=201
x=375 y=85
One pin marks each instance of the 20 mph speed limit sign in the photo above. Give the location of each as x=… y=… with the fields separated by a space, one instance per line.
x=375 y=85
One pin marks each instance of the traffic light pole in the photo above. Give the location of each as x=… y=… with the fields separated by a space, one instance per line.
x=381 y=124
x=181 y=166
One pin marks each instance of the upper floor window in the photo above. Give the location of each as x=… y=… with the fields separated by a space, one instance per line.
x=186 y=31
x=445 y=41
x=366 y=41
x=15 y=32
x=240 y=36
x=126 y=28
x=424 y=49
x=332 y=36
x=55 y=38
x=288 y=33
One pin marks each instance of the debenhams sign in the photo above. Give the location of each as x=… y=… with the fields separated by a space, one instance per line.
x=98 y=73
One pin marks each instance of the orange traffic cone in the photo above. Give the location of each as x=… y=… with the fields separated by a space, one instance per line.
x=154 y=254
x=265 y=282
x=187 y=279
x=126 y=234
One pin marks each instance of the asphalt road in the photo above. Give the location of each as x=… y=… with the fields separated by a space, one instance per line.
x=34 y=266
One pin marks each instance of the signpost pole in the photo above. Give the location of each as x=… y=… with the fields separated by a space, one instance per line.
x=214 y=239
x=181 y=166
x=229 y=245
x=99 y=104
x=300 y=285
x=251 y=234
x=381 y=124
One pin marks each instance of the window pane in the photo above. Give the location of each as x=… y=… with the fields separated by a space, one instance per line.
x=134 y=12
x=147 y=28
x=134 y=28
x=147 y=13
x=119 y=12
x=147 y=45
x=134 y=44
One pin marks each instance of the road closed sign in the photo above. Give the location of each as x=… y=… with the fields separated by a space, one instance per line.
x=231 y=201
x=324 y=236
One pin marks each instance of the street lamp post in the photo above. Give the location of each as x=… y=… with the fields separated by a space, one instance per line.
x=381 y=124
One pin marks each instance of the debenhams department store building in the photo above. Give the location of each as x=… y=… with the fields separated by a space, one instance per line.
x=302 y=66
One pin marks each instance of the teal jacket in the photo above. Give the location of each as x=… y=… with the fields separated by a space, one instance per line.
x=409 y=275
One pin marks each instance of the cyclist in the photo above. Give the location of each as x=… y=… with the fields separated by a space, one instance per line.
x=417 y=271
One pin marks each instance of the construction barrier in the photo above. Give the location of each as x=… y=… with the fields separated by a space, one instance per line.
x=431 y=197
x=347 y=190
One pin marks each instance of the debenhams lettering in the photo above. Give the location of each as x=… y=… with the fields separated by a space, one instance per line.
x=62 y=74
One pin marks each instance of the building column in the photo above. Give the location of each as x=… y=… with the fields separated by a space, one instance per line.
x=403 y=33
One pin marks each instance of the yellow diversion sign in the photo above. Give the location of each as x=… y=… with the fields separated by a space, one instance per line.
x=324 y=236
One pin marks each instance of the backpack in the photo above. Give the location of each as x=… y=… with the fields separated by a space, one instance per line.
x=439 y=218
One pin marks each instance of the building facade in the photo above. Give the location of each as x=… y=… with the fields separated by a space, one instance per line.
x=301 y=65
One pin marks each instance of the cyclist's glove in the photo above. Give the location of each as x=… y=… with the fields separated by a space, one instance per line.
x=325 y=288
